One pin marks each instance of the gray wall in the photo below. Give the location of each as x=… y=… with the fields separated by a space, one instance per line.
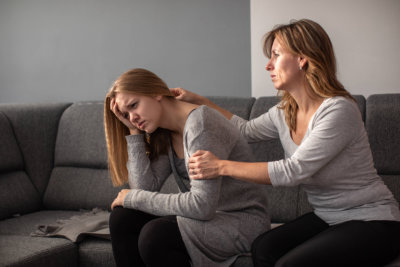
x=57 y=50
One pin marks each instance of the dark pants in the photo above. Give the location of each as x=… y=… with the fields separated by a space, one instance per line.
x=141 y=239
x=309 y=241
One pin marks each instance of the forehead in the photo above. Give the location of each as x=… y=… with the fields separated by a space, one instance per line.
x=276 y=45
x=122 y=97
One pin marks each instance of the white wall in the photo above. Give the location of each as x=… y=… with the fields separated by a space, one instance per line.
x=365 y=35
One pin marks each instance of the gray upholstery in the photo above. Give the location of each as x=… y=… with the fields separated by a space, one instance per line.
x=53 y=164
x=35 y=127
x=383 y=126
x=80 y=178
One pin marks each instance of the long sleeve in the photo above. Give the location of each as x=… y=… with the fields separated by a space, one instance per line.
x=143 y=173
x=201 y=132
x=259 y=129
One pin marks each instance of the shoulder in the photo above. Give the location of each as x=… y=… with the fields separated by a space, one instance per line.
x=340 y=103
x=206 y=118
x=207 y=126
x=339 y=109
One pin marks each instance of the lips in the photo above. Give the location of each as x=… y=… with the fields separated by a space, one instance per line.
x=272 y=76
x=141 y=124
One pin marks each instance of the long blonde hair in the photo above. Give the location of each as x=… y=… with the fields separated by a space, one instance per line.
x=307 y=39
x=141 y=82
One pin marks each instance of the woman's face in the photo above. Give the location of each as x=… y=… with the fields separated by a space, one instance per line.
x=284 y=68
x=144 y=112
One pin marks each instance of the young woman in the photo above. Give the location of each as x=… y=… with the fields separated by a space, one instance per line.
x=356 y=218
x=150 y=135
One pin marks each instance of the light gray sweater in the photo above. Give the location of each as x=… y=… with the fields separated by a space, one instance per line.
x=333 y=163
x=219 y=218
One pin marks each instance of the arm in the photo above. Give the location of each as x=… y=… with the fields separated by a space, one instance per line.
x=204 y=165
x=187 y=96
x=201 y=201
x=335 y=128
x=258 y=129
x=143 y=173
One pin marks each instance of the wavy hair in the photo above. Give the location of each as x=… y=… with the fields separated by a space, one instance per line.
x=141 y=82
x=307 y=39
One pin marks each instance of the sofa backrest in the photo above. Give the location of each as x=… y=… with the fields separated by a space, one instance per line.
x=383 y=127
x=80 y=179
x=27 y=139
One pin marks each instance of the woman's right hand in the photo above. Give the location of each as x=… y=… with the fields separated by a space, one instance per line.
x=114 y=108
x=187 y=96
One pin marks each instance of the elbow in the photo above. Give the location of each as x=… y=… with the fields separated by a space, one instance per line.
x=205 y=211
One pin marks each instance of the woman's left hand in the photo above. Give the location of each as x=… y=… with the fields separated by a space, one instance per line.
x=119 y=201
x=204 y=165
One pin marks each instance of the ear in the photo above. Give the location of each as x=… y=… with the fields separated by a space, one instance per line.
x=302 y=62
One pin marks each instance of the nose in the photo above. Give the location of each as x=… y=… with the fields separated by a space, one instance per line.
x=269 y=66
x=133 y=117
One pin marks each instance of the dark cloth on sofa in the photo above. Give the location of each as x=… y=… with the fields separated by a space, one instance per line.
x=92 y=223
x=142 y=239
x=304 y=241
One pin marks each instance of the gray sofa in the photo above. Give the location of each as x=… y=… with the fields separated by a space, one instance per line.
x=53 y=165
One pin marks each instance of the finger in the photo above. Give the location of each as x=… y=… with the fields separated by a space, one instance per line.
x=198 y=153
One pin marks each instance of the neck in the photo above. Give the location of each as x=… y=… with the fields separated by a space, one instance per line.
x=175 y=114
x=306 y=101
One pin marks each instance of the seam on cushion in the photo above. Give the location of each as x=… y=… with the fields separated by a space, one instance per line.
x=20 y=151
x=53 y=152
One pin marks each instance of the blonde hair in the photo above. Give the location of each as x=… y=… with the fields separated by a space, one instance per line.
x=307 y=39
x=141 y=82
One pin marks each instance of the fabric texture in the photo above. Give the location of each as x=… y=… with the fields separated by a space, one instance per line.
x=93 y=223
x=74 y=188
x=35 y=127
x=218 y=222
x=333 y=163
x=383 y=126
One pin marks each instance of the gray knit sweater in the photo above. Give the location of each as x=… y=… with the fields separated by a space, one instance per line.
x=218 y=218
x=333 y=163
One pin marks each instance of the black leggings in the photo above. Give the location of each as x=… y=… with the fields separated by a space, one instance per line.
x=141 y=239
x=309 y=241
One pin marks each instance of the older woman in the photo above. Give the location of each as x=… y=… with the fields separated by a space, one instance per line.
x=356 y=218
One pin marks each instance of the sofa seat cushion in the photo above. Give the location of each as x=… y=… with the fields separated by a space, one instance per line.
x=95 y=252
x=17 y=250
x=27 y=224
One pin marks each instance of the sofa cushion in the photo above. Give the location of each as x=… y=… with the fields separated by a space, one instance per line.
x=16 y=250
x=80 y=178
x=18 y=195
x=10 y=153
x=35 y=129
x=28 y=223
x=95 y=252
x=81 y=138
x=74 y=188
x=383 y=127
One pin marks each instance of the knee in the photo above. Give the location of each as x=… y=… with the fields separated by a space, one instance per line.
x=117 y=221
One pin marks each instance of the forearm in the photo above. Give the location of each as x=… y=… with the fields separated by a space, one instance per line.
x=255 y=172
x=201 y=100
x=200 y=203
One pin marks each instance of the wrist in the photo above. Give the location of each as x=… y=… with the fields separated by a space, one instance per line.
x=223 y=168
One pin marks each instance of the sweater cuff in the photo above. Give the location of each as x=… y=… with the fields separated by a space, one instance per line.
x=272 y=172
x=129 y=200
